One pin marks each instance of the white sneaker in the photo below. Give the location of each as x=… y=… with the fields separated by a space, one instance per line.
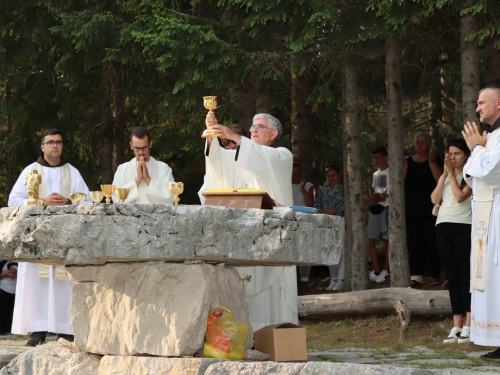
x=373 y=277
x=453 y=336
x=339 y=286
x=332 y=285
x=384 y=275
x=463 y=339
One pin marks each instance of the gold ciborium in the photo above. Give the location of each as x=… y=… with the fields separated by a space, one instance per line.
x=176 y=188
x=108 y=191
x=96 y=196
x=122 y=194
x=32 y=182
x=210 y=103
x=78 y=197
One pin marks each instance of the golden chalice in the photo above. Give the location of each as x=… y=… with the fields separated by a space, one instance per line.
x=176 y=188
x=108 y=191
x=210 y=103
x=96 y=196
x=78 y=197
x=122 y=194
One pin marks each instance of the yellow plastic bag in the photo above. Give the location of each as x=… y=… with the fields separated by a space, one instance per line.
x=224 y=338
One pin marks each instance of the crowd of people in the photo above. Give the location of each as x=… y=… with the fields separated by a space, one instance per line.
x=450 y=206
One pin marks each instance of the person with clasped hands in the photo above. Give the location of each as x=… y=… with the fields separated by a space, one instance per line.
x=146 y=177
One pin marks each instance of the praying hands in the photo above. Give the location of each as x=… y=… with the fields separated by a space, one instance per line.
x=142 y=172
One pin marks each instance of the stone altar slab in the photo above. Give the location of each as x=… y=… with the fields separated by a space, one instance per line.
x=94 y=234
x=153 y=308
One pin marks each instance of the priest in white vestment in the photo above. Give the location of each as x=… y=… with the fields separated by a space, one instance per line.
x=482 y=171
x=43 y=295
x=257 y=163
x=146 y=177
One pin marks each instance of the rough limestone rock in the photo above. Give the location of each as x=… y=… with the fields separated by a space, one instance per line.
x=54 y=358
x=7 y=354
x=153 y=308
x=99 y=233
x=310 y=368
x=117 y=365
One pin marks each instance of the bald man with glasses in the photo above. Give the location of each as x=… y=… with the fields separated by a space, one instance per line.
x=146 y=177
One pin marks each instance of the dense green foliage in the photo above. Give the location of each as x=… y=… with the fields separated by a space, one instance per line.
x=78 y=66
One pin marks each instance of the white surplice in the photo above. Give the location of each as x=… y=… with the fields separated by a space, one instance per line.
x=43 y=304
x=272 y=291
x=484 y=165
x=157 y=190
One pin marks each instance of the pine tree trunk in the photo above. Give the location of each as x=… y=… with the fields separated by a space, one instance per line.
x=301 y=124
x=262 y=97
x=492 y=62
x=119 y=115
x=354 y=179
x=469 y=58
x=398 y=254
x=106 y=131
x=246 y=105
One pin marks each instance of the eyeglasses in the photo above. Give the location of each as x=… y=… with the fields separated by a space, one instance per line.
x=137 y=149
x=260 y=127
x=53 y=143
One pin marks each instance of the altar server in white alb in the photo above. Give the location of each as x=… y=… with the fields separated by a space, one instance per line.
x=482 y=172
x=146 y=177
x=259 y=163
x=43 y=295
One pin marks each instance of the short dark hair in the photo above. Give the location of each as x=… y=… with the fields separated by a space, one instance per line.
x=332 y=167
x=51 y=132
x=235 y=128
x=140 y=133
x=380 y=150
x=461 y=145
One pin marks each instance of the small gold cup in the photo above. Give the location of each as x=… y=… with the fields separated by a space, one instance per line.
x=96 y=196
x=122 y=194
x=78 y=197
x=108 y=191
x=210 y=103
x=176 y=188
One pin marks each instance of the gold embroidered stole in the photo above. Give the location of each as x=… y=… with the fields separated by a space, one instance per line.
x=44 y=269
x=483 y=198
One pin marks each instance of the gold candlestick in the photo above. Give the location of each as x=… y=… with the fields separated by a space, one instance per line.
x=78 y=197
x=176 y=188
x=96 y=196
x=108 y=191
x=122 y=194
x=210 y=103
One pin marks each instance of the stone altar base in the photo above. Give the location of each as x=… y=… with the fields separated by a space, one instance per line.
x=154 y=308
x=63 y=358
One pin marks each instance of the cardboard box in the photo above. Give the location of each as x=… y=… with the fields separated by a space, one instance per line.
x=283 y=342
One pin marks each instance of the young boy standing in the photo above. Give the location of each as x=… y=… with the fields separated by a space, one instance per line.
x=378 y=221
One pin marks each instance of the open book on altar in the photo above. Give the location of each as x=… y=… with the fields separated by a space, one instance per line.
x=239 y=198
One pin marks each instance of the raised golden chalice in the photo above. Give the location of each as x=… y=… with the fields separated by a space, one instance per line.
x=78 y=197
x=96 y=196
x=122 y=194
x=108 y=191
x=210 y=103
x=176 y=188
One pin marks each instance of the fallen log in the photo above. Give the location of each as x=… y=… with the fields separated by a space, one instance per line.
x=375 y=301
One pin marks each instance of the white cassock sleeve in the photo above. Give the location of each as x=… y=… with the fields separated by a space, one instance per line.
x=78 y=185
x=485 y=165
x=156 y=192
x=19 y=193
x=268 y=168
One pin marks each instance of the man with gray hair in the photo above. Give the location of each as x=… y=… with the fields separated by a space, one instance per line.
x=422 y=171
x=259 y=163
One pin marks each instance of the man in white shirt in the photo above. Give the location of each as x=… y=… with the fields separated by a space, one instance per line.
x=482 y=173
x=146 y=177
x=258 y=163
x=378 y=220
x=43 y=295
